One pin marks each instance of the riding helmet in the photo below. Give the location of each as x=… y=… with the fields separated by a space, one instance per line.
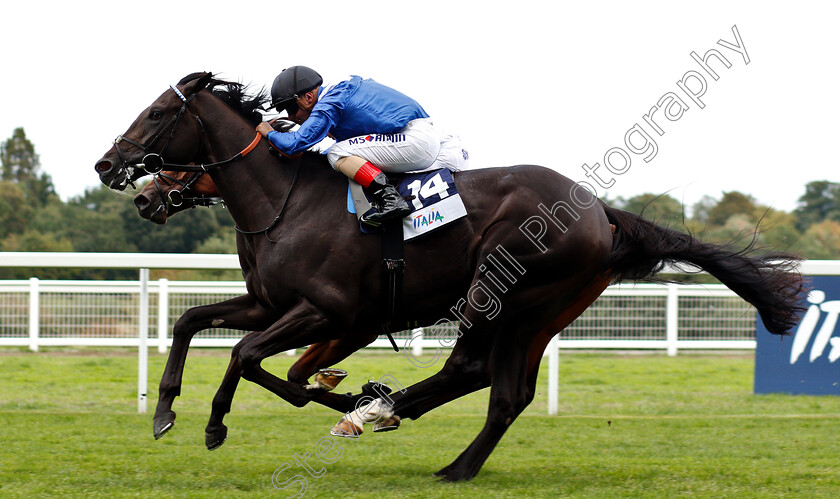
x=293 y=81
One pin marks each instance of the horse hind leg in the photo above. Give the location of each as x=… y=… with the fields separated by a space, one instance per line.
x=507 y=401
x=509 y=396
x=515 y=366
x=464 y=372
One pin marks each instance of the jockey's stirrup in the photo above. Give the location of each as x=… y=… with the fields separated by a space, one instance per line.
x=387 y=200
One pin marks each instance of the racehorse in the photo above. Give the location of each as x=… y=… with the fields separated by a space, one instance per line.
x=535 y=250
x=171 y=192
x=168 y=190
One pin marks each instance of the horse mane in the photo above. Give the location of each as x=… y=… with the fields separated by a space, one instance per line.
x=238 y=97
x=235 y=95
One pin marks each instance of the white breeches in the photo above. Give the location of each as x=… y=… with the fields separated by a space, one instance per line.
x=418 y=146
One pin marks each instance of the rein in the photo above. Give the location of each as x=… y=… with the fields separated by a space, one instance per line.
x=279 y=215
x=155 y=158
x=157 y=167
x=154 y=163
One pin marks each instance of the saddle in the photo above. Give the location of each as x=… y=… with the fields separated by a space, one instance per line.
x=432 y=195
x=435 y=202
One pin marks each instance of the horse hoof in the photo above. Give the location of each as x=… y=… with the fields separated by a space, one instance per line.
x=375 y=389
x=389 y=424
x=345 y=428
x=163 y=424
x=450 y=474
x=213 y=440
x=327 y=379
x=441 y=472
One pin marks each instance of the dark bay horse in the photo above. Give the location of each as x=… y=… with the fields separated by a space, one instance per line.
x=171 y=192
x=533 y=253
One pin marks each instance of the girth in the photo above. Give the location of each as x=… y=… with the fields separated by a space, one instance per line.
x=393 y=268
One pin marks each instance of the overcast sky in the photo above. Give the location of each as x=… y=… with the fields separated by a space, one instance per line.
x=547 y=83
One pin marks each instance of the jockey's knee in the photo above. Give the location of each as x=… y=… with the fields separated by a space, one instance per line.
x=349 y=165
x=335 y=156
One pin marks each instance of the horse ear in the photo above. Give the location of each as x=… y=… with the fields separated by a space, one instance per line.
x=194 y=82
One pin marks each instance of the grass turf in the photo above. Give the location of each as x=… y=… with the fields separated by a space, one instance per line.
x=630 y=426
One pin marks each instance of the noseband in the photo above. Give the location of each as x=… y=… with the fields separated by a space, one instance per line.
x=175 y=197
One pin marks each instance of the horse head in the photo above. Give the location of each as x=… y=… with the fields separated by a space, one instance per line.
x=167 y=127
x=171 y=192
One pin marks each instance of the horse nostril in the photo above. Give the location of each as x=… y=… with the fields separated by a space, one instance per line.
x=104 y=166
x=141 y=202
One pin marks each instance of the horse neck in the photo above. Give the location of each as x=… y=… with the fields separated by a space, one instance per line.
x=253 y=186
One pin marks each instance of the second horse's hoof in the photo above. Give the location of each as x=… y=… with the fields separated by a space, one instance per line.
x=347 y=429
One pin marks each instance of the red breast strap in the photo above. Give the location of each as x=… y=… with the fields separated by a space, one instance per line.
x=252 y=145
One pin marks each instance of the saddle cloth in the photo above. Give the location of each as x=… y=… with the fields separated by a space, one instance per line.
x=436 y=202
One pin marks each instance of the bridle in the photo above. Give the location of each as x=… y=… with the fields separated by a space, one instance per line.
x=175 y=197
x=154 y=163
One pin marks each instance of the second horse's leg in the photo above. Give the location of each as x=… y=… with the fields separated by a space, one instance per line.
x=304 y=324
x=326 y=354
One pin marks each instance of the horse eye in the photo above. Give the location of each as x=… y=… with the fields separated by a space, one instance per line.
x=156 y=115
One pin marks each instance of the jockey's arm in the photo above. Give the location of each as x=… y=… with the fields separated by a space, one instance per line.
x=312 y=131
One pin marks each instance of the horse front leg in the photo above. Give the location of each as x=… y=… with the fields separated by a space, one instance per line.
x=215 y=433
x=242 y=313
x=318 y=355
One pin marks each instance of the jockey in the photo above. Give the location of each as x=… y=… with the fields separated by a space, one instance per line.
x=376 y=128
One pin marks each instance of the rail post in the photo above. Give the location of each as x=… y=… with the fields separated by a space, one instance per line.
x=142 y=347
x=163 y=314
x=672 y=318
x=417 y=346
x=34 y=313
x=553 y=374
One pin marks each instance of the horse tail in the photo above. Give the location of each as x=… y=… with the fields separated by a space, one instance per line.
x=769 y=281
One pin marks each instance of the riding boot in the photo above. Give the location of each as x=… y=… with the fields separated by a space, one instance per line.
x=387 y=200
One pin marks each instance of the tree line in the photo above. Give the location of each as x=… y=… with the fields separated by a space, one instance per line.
x=34 y=218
